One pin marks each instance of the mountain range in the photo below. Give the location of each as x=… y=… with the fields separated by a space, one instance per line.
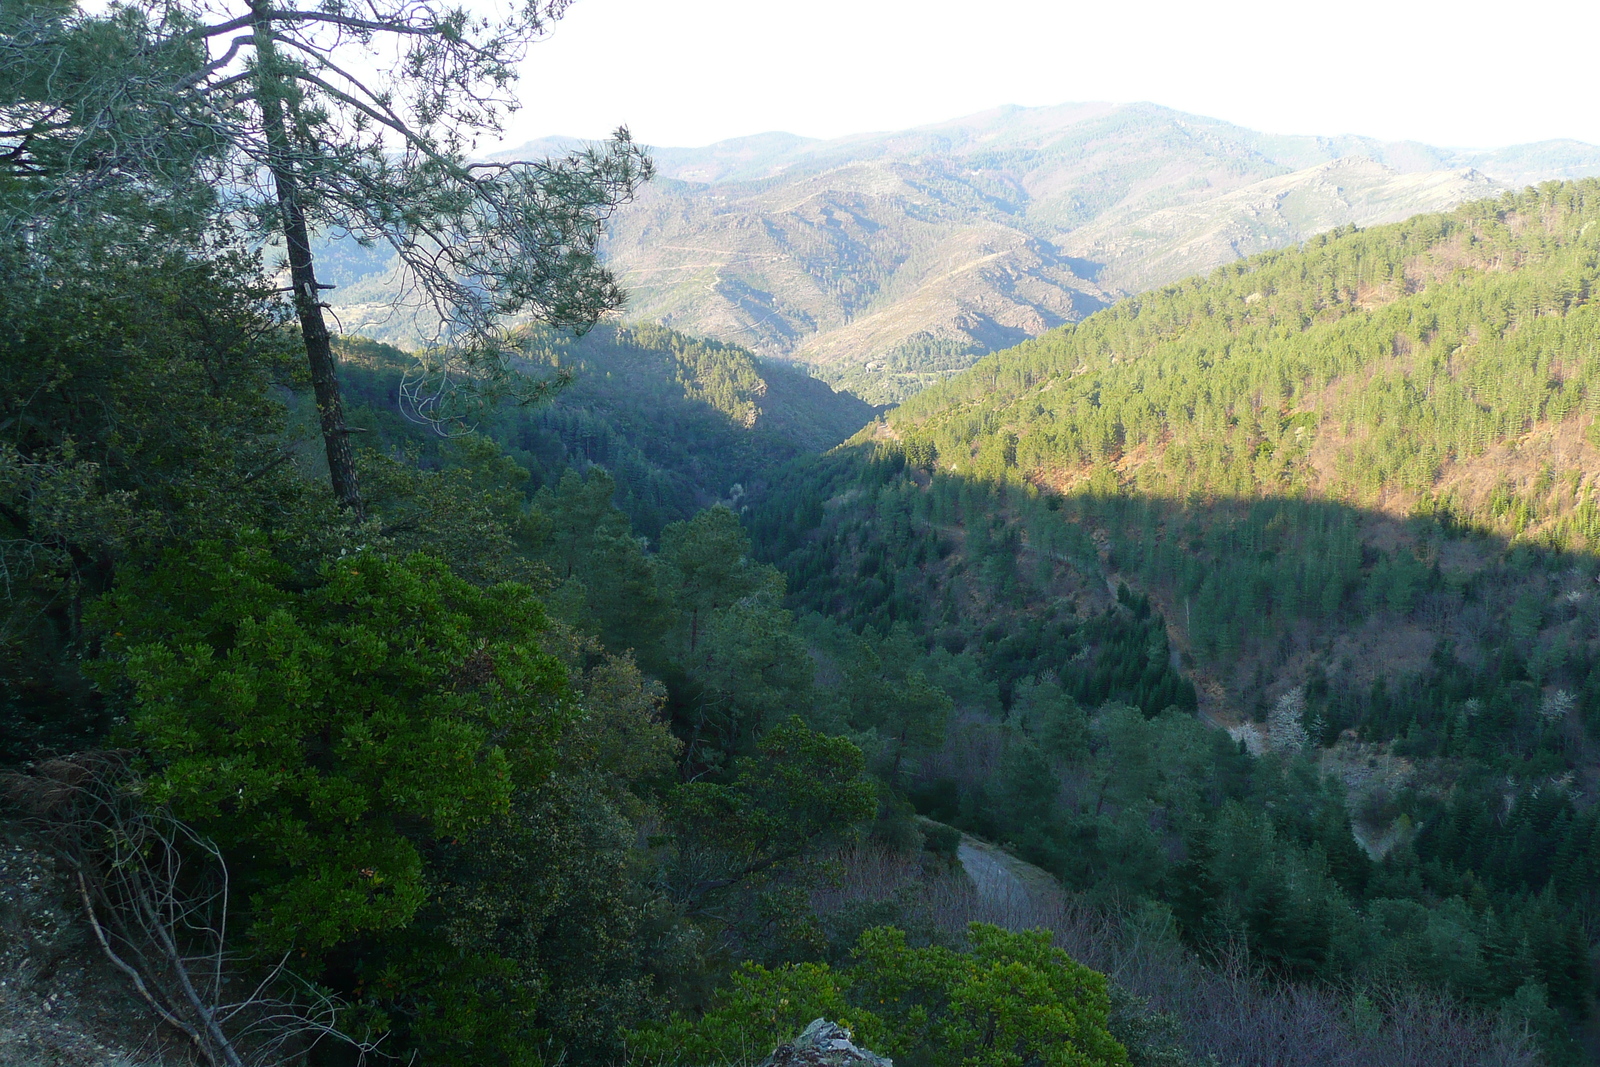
x=884 y=262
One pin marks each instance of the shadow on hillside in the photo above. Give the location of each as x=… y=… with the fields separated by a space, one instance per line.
x=680 y=423
x=1398 y=626
x=809 y=410
x=1087 y=269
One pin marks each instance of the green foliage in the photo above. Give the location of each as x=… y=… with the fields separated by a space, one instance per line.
x=1148 y=428
x=708 y=569
x=759 y=1010
x=800 y=788
x=1461 y=357
x=533 y=939
x=1012 y=999
x=741 y=662
x=1185 y=483
x=102 y=133
x=332 y=732
x=608 y=584
x=532 y=942
x=471 y=511
x=948 y=560
x=1153 y=1039
x=748 y=670
x=1049 y=716
x=885 y=696
x=137 y=413
x=678 y=422
x=504 y=839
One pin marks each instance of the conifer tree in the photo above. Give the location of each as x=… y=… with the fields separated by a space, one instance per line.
x=272 y=104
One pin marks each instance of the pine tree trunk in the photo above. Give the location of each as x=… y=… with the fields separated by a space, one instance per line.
x=270 y=91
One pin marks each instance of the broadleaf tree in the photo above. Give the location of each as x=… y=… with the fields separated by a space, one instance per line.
x=332 y=734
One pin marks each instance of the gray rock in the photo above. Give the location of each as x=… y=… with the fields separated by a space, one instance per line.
x=824 y=1044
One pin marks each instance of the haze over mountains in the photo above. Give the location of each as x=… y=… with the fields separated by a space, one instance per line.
x=887 y=261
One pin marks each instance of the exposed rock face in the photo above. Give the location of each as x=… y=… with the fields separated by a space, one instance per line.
x=824 y=1044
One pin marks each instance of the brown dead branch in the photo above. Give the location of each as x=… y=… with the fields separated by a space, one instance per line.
x=156 y=893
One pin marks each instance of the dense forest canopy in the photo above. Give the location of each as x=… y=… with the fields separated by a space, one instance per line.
x=678 y=422
x=1371 y=367
x=624 y=727
x=1338 y=499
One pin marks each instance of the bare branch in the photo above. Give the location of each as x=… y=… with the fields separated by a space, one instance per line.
x=162 y=924
x=501 y=165
x=215 y=65
x=202 y=32
x=387 y=116
x=122 y=965
x=356 y=24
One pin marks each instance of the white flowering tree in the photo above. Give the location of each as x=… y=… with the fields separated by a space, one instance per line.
x=1286 y=725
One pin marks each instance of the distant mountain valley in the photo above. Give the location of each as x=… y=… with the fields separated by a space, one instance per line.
x=885 y=262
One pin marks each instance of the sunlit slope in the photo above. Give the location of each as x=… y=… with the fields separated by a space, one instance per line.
x=888 y=261
x=1273 y=213
x=1447 y=365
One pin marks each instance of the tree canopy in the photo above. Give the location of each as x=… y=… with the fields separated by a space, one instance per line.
x=267 y=115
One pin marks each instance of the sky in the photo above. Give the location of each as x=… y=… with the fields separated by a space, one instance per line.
x=1462 y=74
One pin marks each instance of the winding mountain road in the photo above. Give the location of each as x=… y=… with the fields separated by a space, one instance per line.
x=1000 y=878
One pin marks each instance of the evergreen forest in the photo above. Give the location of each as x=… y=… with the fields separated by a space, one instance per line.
x=1213 y=681
x=1330 y=511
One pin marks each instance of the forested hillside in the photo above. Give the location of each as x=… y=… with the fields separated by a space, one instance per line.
x=462 y=713
x=1338 y=498
x=680 y=423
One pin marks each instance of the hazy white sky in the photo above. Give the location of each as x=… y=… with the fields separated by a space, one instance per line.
x=689 y=72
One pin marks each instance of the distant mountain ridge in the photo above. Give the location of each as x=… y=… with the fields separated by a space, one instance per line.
x=886 y=261
x=766 y=155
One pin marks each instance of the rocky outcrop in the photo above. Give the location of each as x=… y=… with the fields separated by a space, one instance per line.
x=824 y=1044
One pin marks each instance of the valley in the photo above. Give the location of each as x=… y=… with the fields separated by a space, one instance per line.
x=1312 y=536
x=1075 y=586
x=1338 y=501
x=885 y=262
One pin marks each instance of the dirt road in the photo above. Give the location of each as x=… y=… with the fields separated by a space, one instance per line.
x=1001 y=879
